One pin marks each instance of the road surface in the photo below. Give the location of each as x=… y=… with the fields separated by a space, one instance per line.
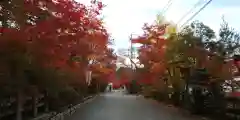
x=117 y=106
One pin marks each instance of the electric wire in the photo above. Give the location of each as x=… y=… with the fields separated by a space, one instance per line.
x=190 y=11
x=194 y=15
x=166 y=7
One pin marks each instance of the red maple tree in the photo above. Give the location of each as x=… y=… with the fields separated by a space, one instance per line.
x=60 y=35
x=152 y=52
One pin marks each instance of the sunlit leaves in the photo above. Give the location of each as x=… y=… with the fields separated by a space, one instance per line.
x=153 y=49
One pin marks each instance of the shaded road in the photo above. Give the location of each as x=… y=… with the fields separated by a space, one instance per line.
x=116 y=106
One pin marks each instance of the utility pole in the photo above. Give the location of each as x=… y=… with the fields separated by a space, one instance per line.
x=131 y=52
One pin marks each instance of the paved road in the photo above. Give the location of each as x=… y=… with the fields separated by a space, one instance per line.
x=116 y=106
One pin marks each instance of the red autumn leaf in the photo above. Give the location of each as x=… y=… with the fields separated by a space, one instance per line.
x=59 y=28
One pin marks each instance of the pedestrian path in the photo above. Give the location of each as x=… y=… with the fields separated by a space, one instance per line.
x=119 y=106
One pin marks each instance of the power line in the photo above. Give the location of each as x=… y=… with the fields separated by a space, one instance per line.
x=204 y=6
x=186 y=14
x=169 y=1
x=167 y=6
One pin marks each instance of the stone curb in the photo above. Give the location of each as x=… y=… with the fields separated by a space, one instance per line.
x=60 y=116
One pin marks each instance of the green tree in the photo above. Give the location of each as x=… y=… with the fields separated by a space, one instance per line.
x=229 y=41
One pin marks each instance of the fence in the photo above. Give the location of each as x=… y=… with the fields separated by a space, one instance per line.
x=8 y=106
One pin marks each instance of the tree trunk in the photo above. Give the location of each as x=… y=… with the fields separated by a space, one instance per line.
x=46 y=105
x=19 y=105
x=98 y=87
x=34 y=108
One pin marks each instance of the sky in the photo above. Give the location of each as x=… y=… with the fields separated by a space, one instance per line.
x=125 y=17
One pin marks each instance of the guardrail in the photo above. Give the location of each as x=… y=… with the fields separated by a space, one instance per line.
x=7 y=108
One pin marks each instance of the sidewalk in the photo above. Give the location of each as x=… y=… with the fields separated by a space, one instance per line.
x=60 y=116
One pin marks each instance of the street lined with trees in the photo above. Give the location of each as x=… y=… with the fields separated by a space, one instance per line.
x=55 y=53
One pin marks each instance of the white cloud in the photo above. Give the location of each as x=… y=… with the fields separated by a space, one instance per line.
x=126 y=17
x=212 y=17
x=123 y=17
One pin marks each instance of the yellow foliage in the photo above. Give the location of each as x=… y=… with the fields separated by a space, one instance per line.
x=92 y=56
x=171 y=29
x=153 y=41
x=159 y=19
x=105 y=70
